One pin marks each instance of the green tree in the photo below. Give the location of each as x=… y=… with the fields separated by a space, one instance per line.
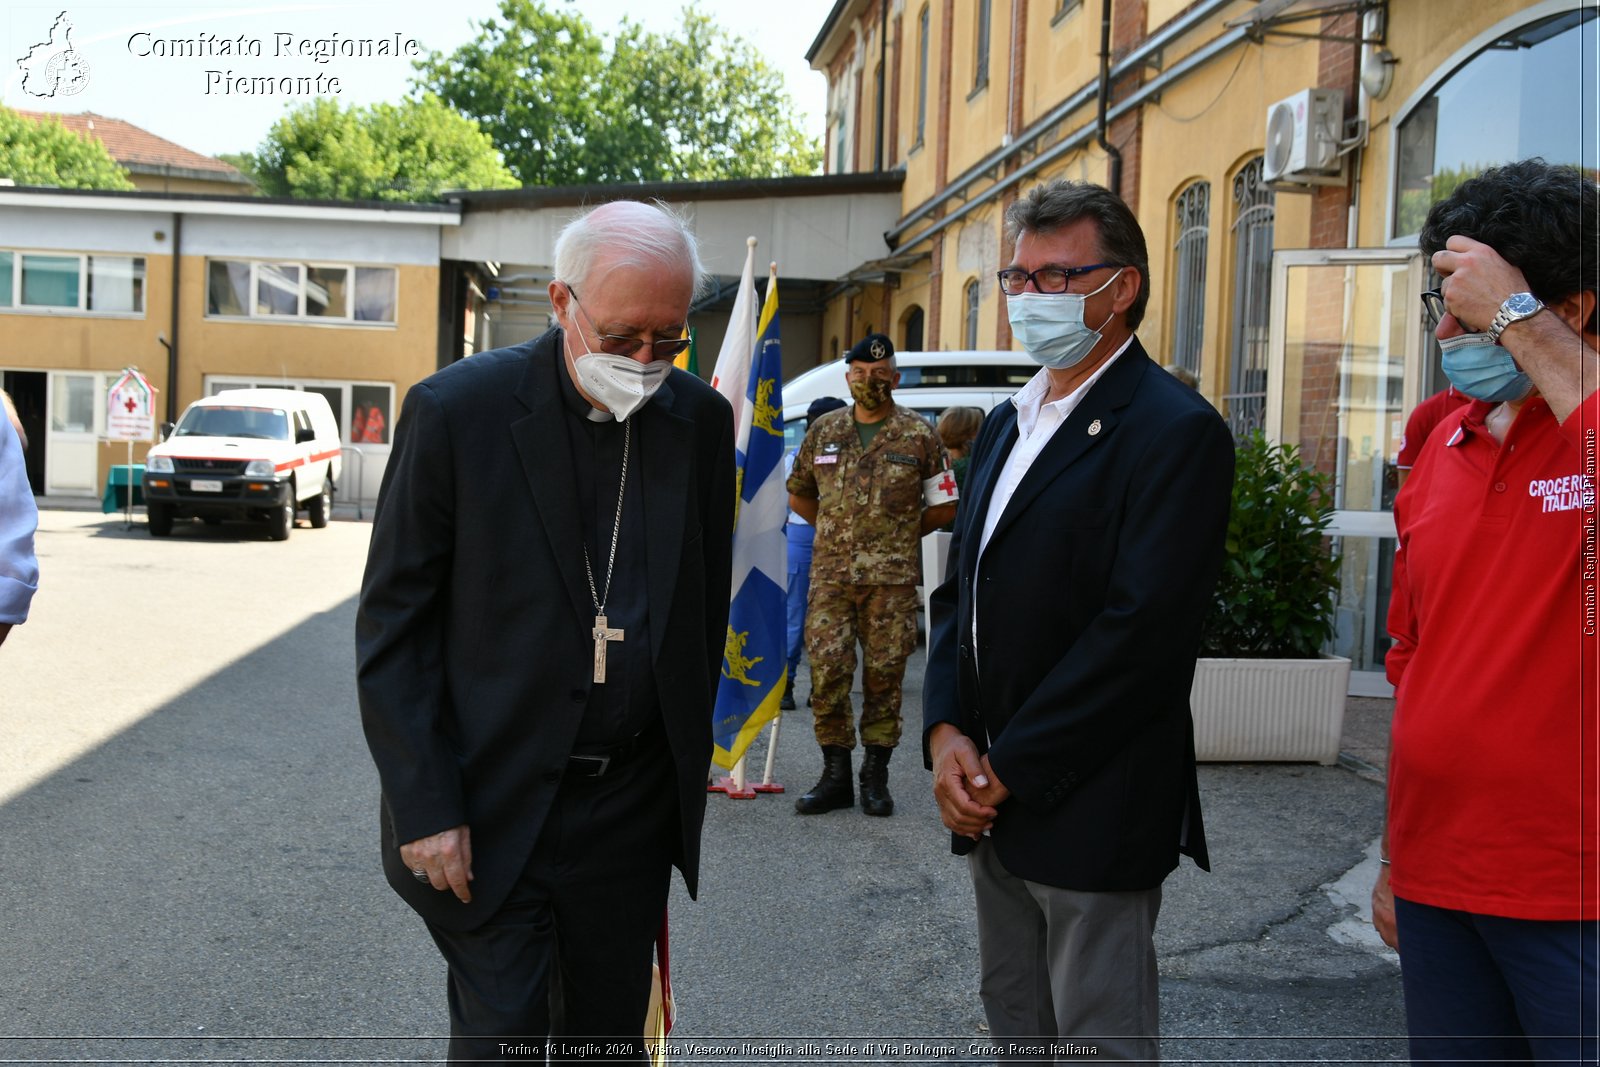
x=413 y=150
x=699 y=104
x=243 y=162
x=45 y=152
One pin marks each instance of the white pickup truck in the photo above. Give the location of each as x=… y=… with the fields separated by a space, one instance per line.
x=256 y=454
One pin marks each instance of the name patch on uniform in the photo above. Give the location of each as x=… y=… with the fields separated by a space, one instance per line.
x=901 y=457
x=829 y=458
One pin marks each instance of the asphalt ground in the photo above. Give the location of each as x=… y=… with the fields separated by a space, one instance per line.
x=188 y=824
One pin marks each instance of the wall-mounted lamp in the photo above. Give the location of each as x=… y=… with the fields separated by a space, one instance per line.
x=1377 y=72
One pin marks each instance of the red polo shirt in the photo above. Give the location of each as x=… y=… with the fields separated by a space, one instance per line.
x=1496 y=739
x=1424 y=417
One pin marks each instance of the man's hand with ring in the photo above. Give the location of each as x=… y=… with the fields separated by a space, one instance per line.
x=443 y=860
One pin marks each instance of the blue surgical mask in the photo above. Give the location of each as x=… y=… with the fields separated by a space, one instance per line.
x=1051 y=327
x=1482 y=369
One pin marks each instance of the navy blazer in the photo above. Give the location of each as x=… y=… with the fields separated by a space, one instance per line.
x=474 y=658
x=1090 y=596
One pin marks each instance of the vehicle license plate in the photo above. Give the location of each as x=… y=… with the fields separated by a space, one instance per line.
x=200 y=486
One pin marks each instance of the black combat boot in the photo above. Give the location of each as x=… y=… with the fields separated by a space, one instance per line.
x=875 y=798
x=787 y=703
x=833 y=789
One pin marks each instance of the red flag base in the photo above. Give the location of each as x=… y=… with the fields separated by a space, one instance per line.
x=726 y=784
x=768 y=787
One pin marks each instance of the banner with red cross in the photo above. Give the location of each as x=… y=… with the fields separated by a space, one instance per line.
x=131 y=408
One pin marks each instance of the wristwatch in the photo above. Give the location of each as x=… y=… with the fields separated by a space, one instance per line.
x=1518 y=306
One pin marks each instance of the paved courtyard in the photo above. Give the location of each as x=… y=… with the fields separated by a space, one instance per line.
x=189 y=818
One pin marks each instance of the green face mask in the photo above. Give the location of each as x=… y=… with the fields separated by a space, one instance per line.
x=871 y=393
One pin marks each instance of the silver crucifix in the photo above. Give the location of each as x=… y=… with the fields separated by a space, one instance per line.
x=602 y=634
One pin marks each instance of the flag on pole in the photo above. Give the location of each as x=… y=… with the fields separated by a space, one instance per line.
x=689 y=358
x=731 y=375
x=754 y=666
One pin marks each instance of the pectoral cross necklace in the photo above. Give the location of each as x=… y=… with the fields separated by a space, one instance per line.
x=603 y=632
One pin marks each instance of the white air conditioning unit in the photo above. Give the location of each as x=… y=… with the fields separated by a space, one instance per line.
x=1303 y=135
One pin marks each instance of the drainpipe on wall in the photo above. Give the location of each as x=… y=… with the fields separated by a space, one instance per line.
x=883 y=67
x=1105 y=92
x=172 y=349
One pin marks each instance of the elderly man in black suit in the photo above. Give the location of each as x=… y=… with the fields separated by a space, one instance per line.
x=1056 y=705
x=538 y=641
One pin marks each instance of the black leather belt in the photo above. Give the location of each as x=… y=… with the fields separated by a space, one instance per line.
x=599 y=761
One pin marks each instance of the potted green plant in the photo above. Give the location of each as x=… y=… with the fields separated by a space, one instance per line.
x=1263 y=689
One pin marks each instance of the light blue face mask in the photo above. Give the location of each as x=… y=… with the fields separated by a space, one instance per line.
x=1051 y=327
x=1482 y=369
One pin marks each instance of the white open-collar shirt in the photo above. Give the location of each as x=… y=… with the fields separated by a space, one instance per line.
x=1037 y=422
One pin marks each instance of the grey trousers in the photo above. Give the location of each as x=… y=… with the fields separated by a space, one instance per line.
x=1067 y=976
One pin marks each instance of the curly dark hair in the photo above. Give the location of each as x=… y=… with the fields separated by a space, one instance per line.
x=1062 y=202
x=1542 y=218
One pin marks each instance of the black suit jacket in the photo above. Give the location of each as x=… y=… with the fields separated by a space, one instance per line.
x=473 y=651
x=1090 y=598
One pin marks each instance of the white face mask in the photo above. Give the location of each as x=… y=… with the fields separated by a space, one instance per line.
x=1051 y=327
x=623 y=385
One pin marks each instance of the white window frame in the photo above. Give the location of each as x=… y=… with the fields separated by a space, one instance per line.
x=1533 y=12
x=17 y=307
x=300 y=318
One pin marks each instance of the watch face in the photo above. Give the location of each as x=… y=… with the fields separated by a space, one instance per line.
x=1521 y=304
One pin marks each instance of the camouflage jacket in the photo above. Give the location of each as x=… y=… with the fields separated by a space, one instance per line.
x=869 y=502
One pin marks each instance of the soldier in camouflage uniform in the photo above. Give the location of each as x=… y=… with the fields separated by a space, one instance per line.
x=872 y=478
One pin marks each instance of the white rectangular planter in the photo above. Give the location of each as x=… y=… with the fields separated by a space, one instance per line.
x=1269 y=709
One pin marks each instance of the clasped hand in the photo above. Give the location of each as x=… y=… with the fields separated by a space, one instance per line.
x=964 y=784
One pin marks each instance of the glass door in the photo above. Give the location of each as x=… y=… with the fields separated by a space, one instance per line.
x=72 y=451
x=1345 y=369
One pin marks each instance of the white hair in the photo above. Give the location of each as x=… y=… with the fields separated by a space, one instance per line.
x=627 y=233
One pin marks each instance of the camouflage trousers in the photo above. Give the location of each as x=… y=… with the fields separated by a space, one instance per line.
x=883 y=618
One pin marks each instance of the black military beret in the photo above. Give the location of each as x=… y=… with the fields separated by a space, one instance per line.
x=873 y=348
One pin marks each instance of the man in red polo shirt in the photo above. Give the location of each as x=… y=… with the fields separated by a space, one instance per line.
x=1424 y=417
x=1493 y=830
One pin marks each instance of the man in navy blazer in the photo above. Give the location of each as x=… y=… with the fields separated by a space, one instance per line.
x=1056 y=705
x=540 y=631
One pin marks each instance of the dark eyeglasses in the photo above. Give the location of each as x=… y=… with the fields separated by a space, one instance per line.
x=1433 y=304
x=1014 y=280
x=616 y=345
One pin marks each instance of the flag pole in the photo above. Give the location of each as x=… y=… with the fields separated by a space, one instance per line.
x=767 y=785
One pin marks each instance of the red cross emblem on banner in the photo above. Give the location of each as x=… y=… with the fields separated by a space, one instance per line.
x=130 y=405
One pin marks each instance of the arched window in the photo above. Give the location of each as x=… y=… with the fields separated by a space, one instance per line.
x=1514 y=98
x=969 y=304
x=1245 y=402
x=911 y=334
x=1193 y=226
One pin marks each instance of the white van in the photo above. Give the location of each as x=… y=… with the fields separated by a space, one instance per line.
x=930 y=382
x=257 y=454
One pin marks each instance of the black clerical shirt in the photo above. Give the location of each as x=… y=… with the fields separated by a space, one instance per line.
x=625 y=703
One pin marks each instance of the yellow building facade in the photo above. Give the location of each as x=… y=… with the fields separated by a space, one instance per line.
x=1279 y=156
x=341 y=300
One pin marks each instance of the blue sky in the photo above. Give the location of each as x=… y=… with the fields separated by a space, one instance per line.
x=169 y=96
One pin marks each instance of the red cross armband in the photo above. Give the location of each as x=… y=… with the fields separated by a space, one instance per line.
x=940 y=489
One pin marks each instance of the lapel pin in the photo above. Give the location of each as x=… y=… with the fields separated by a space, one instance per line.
x=1094 y=427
